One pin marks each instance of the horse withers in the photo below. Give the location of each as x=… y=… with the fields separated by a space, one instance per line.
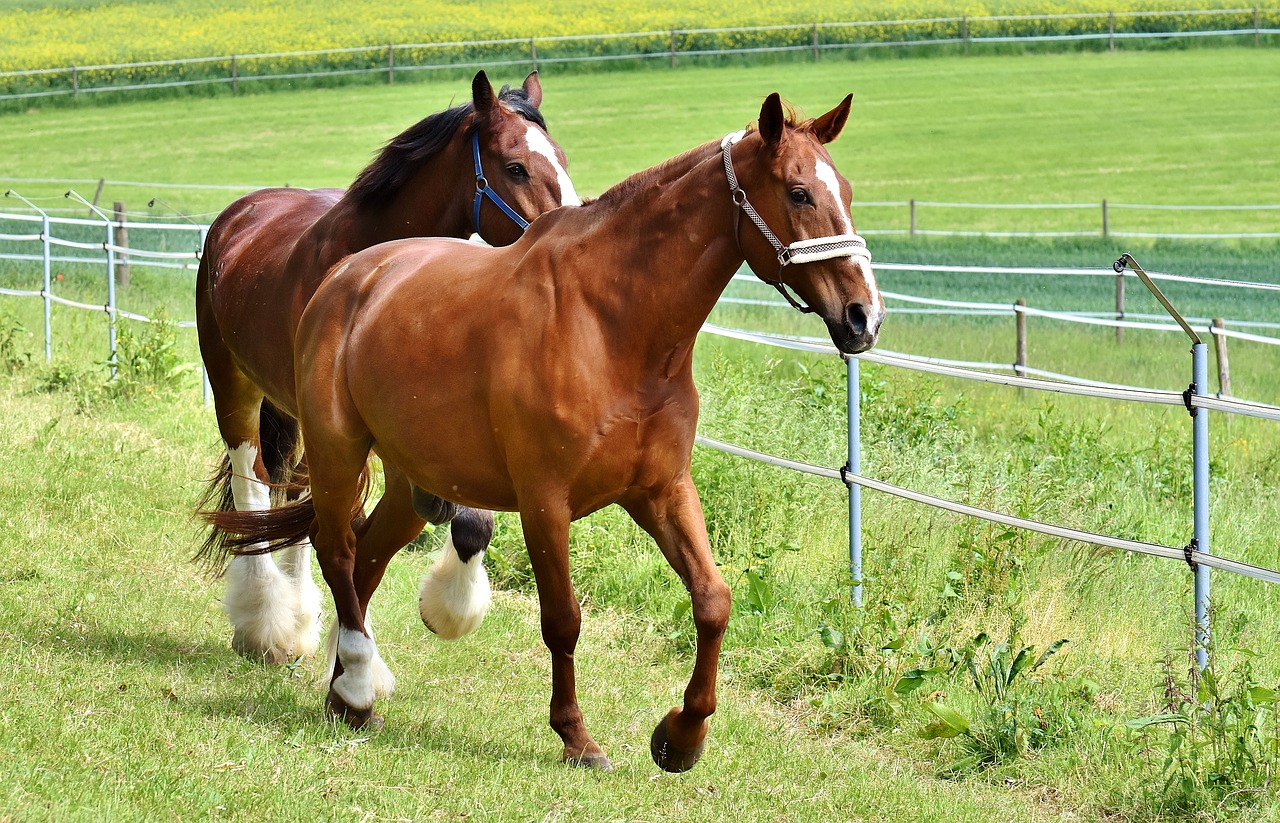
x=487 y=167
x=554 y=377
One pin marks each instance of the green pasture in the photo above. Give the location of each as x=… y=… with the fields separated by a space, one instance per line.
x=124 y=701
x=1146 y=128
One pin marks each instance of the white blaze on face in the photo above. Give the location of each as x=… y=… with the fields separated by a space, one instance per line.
x=827 y=175
x=538 y=142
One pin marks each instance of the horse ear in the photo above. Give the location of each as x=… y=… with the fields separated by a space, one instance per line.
x=482 y=96
x=827 y=127
x=772 y=119
x=533 y=88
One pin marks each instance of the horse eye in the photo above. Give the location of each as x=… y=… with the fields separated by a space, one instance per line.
x=517 y=171
x=800 y=197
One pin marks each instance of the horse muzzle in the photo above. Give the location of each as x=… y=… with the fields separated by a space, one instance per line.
x=857 y=329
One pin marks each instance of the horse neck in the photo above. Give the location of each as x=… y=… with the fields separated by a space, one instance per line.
x=434 y=202
x=679 y=230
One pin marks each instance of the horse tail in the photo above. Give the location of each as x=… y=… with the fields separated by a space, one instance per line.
x=280 y=437
x=268 y=530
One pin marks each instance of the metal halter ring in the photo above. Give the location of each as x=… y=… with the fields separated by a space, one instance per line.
x=483 y=191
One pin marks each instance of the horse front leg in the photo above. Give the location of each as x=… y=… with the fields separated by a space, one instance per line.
x=674 y=518
x=546 y=535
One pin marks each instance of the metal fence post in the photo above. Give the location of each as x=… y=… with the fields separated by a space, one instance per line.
x=1120 y=307
x=854 y=392
x=111 y=297
x=1200 y=457
x=46 y=259
x=46 y=252
x=1200 y=498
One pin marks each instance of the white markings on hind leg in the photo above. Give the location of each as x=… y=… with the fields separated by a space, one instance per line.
x=261 y=602
x=296 y=563
x=454 y=596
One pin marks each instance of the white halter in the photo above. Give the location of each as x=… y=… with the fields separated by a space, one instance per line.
x=801 y=251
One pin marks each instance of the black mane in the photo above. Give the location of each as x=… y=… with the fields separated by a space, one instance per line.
x=396 y=164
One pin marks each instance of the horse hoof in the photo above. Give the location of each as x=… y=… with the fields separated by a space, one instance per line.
x=667 y=756
x=249 y=649
x=358 y=719
x=596 y=761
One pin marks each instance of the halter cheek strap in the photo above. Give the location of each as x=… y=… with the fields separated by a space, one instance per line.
x=801 y=251
x=483 y=191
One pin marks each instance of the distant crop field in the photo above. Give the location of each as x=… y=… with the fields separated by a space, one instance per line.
x=87 y=32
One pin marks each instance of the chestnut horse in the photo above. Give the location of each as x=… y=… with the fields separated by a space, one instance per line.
x=487 y=167
x=554 y=377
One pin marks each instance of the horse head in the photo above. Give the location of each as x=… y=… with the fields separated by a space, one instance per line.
x=520 y=171
x=803 y=238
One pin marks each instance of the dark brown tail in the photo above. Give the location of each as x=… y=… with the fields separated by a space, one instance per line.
x=263 y=532
x=281 y=439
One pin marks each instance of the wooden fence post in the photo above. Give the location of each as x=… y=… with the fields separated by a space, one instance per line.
x=1256 y=25
x=1120 y=306
x=672 y=48
x=75 y=81
x=1111 y=31
x=964 y=32
x=391 y=63
x=122 y=240
x=533 y=53
x=1224 y=368
x=815 y=42
x=913 y=217
x=235 y=75
x=1106 y=229
x=1020 y=358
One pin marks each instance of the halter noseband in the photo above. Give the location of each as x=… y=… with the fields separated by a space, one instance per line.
x=801 y=251
x=483 y=191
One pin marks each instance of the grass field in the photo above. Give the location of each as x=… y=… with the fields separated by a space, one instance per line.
x=1147 y=127
x=127 y=703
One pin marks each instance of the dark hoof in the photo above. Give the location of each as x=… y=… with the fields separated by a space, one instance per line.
x=431 y=508
x=358 y=719
x=595 y=761
x=667 y=756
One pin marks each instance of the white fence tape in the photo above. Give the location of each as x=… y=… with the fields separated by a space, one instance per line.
x=1064 y=532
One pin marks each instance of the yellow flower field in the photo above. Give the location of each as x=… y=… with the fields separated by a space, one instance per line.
x=37 y=34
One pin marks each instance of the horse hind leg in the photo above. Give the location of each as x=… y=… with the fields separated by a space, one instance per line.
x=454 y=595
x=260 y=600
x=295 y=562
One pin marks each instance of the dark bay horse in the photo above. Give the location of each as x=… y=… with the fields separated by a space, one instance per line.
x=486 y=167
x=554 y=377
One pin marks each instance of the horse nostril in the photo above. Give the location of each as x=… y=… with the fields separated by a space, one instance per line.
x=856 y=317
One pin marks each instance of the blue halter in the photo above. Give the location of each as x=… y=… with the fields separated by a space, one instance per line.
x=483 y=191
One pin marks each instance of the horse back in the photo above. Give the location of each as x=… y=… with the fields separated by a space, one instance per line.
x=251 y=286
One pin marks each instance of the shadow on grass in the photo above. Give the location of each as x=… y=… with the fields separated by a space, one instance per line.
x=204 y=680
